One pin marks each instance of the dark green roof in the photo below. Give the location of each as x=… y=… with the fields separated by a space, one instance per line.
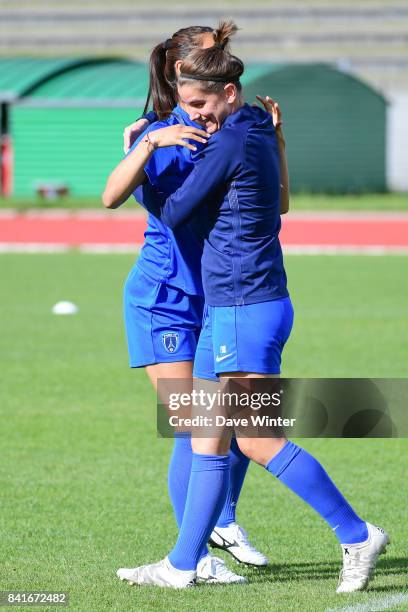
x=18 y=75
x=116 y=80
x=102 y=80
x=108 y=80
x=77 y=78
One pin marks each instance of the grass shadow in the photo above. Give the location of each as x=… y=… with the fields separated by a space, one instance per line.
x=321 y=570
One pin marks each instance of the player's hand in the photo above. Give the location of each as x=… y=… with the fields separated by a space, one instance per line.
x=178 y=135
x=271 y=107
x=132 y=132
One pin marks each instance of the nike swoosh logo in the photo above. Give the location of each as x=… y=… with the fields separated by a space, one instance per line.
x=222 y=357
x=225 y=542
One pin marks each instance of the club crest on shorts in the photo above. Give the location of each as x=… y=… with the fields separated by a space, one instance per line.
x=170 y=341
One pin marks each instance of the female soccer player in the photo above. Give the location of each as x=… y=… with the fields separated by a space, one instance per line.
x=236 y=177
x=164 y=298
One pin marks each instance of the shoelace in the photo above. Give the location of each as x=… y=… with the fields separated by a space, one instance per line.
x=242 y=536
x=218 y=568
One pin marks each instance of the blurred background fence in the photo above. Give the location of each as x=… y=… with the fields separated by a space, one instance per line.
x=73 y=74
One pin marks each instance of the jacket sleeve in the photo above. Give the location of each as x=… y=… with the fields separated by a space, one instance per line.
x=214 y=167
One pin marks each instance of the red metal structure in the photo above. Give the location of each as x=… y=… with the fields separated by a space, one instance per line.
x=6 y=165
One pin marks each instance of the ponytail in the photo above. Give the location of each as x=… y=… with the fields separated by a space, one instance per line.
x=222 y=34
x=161 y=92
x=162 y=77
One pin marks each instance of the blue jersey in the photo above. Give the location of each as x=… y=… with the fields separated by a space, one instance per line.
x=171 y=256
x=237 y=176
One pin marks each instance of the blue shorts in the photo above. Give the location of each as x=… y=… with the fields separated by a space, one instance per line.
x=247 y=338
x=162 y=322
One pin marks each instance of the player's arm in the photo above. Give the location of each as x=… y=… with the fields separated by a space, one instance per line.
x=272 y=107
x=130 y=173
x=132 y=132
x=212 y=171
x=284 y=172
x=127 y=175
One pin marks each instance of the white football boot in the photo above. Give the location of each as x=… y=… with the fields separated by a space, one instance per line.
x=359 y=560
x=161 y=574
x=234 y=540
x=213 y=570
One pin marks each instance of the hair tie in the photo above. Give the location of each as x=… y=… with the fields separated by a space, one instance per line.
x=168 y=44
x=205 y=77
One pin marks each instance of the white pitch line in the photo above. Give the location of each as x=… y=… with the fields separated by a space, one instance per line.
x=39 y=247
x=7 y=213
x=105 y=248
x=67 y=213
x=109 y=248
x=33 y=247
x=377 y=604
x=338 y=249
x=348 y=215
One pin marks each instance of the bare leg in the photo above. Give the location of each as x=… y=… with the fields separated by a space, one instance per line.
x=260 y=450
x=176 y=369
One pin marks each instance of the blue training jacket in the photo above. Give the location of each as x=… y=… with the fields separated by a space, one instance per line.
x=237 y=176
x=171 y=256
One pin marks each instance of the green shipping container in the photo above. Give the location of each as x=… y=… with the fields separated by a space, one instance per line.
x=67 y=123
x=69 y=129
x=334 y=125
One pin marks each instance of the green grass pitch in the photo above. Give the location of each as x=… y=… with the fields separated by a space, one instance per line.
x=299 y=202
x=83 y=474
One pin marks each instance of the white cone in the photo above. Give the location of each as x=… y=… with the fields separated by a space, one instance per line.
x=65 y=308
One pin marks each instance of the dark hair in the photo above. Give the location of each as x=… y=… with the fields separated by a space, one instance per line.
x=213 y=68
x=162 y=76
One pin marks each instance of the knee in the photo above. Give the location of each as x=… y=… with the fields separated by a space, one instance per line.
x=249 y=448
x=261 y=450
x=210 y=446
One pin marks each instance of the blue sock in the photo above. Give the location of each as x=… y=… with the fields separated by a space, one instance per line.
x=205 y=498
x=238 y=469
x=304 y=475
x=179 y=476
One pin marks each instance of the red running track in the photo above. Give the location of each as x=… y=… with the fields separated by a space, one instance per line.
x=299 y=230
